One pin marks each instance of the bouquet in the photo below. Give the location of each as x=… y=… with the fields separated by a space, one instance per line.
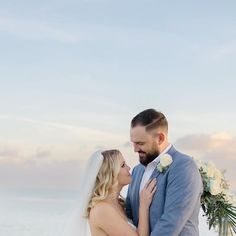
x=218 y=204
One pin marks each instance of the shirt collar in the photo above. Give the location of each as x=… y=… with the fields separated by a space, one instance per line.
x=157 y=159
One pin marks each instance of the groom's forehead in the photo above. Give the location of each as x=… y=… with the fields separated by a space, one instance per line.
x=138 y=133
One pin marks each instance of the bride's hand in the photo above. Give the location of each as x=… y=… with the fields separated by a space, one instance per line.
x=147 y=193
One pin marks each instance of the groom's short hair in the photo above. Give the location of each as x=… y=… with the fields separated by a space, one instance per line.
x=151 y=119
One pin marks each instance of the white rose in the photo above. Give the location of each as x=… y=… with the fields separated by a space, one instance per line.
x=218 y=174
x=215 y=187
x=166 y=160
x=218 y=181
x=210 y=170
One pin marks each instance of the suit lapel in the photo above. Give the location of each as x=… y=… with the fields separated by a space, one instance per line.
x=172 y=151
x=156 y=172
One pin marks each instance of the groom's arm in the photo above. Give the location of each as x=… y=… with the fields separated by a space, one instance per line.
x=182 y=194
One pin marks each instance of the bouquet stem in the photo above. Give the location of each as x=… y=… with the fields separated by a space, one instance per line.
x=224 y=229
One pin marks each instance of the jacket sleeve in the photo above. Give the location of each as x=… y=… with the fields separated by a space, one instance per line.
x=128 y=205
x=183 y=191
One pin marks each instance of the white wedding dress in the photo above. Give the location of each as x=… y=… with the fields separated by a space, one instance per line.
x=131 y=224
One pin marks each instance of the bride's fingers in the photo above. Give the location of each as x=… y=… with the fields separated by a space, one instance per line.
x=152 y=184
x=148 y=183
x=154 y=190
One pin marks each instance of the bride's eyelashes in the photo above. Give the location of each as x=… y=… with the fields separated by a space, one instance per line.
x=123 y=165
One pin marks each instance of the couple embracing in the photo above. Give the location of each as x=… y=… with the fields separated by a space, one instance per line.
x=164 y=191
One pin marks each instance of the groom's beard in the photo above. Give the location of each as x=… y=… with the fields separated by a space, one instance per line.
x=146 y=158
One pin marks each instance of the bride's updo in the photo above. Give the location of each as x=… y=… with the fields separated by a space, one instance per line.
x=107 y=178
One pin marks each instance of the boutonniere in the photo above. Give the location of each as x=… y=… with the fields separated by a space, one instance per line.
x=165 y=162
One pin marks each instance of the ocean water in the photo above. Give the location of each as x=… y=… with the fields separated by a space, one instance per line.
x=44 y=212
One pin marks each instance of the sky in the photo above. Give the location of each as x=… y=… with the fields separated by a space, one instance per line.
x=74 y=73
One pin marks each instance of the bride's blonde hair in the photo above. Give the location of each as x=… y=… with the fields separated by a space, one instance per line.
x=107 y=178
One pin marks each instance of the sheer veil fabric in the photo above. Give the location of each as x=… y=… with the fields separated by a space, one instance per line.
x=77 y=224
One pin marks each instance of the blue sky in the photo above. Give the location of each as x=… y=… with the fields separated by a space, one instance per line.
x=73 y=74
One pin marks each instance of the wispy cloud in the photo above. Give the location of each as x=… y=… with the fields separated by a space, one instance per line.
x=81 y=132
x=37 y=30
x=119 y=36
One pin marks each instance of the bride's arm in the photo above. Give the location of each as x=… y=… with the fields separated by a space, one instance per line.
x=105 y=217
x=145 y=201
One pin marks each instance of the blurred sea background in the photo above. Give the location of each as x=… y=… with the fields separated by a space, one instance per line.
x=44 y=212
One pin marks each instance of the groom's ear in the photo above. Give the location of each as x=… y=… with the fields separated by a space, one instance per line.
x=159 y=135
x=161 y=138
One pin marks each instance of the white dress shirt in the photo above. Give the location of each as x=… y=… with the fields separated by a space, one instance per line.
x=151 y=167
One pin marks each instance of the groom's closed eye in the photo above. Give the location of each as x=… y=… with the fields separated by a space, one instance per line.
x=140 y=143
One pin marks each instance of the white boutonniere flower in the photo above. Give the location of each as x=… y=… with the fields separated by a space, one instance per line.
x=165 y=162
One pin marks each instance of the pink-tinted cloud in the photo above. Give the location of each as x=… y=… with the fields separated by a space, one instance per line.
x=64 y=174
x=16 y=155
x=219 y=148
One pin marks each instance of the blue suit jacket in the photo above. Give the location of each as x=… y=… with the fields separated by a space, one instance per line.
x=176 y=203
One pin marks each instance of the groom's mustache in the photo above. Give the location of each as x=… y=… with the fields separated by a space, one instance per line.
x=141 y=152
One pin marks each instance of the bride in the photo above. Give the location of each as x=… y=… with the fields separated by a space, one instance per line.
x=102 y=209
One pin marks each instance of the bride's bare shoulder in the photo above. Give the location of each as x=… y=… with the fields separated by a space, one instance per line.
x=101 y=209
x=102 y=218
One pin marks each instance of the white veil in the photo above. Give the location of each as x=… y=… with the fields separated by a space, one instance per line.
x=78 y=224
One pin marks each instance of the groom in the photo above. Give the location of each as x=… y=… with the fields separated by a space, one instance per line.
x=176 y=203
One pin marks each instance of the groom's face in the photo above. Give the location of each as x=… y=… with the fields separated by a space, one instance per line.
x=145 y=144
